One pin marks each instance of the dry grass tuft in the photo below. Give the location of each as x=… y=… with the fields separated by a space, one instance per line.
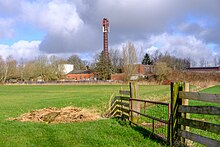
x=59 y=115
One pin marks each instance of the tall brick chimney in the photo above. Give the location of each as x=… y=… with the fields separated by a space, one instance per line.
x=105 y=24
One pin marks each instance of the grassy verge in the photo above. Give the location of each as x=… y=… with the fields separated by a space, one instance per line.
x=16 y=100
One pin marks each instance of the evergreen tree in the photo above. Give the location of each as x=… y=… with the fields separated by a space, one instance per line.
x=147 y=60
x=103 y=67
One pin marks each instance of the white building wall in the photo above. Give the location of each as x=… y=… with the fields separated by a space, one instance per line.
x=66 y=68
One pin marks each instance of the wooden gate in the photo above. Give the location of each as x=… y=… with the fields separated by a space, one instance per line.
x=153 y=116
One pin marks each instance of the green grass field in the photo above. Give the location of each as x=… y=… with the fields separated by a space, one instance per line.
x=16 y=100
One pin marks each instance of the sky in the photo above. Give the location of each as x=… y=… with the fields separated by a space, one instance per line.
x=183 y=28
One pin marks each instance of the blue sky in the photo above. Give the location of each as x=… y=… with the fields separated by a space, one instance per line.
x=189 y=28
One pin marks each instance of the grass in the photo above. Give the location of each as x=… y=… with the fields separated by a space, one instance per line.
x=16 y=100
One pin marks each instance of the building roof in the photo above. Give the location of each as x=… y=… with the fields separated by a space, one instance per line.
x=80 y=72
x=204 y=68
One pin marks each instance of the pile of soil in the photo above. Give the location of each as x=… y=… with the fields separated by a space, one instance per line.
x=59 y=115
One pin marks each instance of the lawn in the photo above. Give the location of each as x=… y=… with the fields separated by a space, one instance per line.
x=16 y=100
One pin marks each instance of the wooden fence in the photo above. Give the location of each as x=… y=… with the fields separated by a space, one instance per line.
x=169 y=122
x=120 y=105
x=181 y=123
x=153 y=116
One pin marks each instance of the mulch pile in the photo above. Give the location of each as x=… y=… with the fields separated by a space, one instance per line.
x=59 y=115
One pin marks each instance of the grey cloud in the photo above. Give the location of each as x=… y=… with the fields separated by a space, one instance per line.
x=10 y=7
x=129 y=20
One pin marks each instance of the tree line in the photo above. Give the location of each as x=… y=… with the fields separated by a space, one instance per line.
x=120 y=61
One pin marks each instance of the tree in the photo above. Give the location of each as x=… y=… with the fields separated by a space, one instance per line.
x=103 y=67
x=54 y=70
x=218 y=62
x=41 y=67
x=202 y=62
x=2 y=71
x=30 y=71
x=116 y=60
x=156 y=56
x=8 y=68
x=77 y=62
x=129 y=60
x=162 y=71
x=147 y=60
x=21 y=70
x=172 y=61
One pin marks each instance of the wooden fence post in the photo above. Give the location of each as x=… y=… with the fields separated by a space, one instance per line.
x=134 y=104
x=185 y=102
x=175 y=102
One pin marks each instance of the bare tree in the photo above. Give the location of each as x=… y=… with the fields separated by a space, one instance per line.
x=41 y=64
x=8 y=68
x=202 y=62
x=21 y=70
x=218 y=62
x=30 y=71
x=215 y=61
x=116 y=60
x=162 y=71
x=54 y=73
x=2 y=67
x=156 y=56
x=129 y=60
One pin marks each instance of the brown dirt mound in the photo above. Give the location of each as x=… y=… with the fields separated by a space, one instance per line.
x=59 y=115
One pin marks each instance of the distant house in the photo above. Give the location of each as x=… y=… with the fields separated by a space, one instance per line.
x=142 y=71
x=65 y=68
x=81 y=75
x=204 y=69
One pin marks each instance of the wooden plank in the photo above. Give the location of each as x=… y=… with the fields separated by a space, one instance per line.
x=200 y=125
x=118 y=103
x=215 y=98
x=125 y=110
x=123 y=104
x=115 y=99
x=116 y=113
x=211 y=110
x=200 y=139
x=120 y=109
x=124 y=98
x=124 y=92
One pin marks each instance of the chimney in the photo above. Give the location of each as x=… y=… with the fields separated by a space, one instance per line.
x=105 y=24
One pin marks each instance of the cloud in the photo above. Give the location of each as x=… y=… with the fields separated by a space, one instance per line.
x=6 y=30
x=21 y=50
x=181 y=46
x=74 y=26
x=10 y=7
x=61 y=22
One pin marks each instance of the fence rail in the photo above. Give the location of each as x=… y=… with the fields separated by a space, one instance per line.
x=211 y=110
x=200 y=96
x=180 y=120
